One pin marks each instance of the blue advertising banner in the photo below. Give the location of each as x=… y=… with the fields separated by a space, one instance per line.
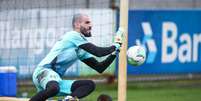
x=172 y=39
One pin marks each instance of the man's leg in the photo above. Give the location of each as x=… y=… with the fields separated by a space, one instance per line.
x=82 y=88
x=47 y=83
x=51 y=90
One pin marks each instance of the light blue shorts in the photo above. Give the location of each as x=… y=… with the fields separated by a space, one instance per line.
x=42 y=76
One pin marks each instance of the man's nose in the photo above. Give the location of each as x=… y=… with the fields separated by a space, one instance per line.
x=90 y=26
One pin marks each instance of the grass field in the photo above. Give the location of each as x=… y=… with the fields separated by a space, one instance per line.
x=184 y=90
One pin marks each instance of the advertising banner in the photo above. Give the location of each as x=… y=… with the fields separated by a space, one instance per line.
x=172 y=39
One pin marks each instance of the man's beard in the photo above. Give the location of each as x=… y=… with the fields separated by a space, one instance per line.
x=84 y=32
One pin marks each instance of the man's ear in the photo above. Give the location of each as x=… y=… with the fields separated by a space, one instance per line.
x=77 y=25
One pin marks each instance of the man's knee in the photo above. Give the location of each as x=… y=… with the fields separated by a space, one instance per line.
x=53 y=87
x=91 y=84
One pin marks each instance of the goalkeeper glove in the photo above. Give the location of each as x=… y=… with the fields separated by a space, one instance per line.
x=118 y=38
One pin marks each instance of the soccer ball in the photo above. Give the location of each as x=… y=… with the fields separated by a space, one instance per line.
x=136 y=55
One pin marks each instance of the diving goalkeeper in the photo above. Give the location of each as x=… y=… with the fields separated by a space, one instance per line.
x=71 y=47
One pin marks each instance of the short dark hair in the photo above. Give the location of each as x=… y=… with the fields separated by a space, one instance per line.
x=76 y=17
x=104 y=97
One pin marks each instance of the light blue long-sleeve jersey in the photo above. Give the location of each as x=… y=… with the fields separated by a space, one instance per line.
x=67 y=51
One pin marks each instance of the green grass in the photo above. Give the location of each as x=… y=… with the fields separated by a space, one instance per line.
x=165 y=94
x=148 y=91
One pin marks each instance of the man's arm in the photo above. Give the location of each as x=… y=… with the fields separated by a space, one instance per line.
x=97 y=51
x=99 y=66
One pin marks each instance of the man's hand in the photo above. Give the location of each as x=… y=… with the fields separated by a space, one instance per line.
x=118 y=39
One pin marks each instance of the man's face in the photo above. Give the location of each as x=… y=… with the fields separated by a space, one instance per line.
x=85 y=26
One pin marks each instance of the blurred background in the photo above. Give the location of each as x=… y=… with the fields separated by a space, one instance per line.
x=169 y=29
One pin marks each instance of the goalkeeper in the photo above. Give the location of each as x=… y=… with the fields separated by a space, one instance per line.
x=71 y=47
